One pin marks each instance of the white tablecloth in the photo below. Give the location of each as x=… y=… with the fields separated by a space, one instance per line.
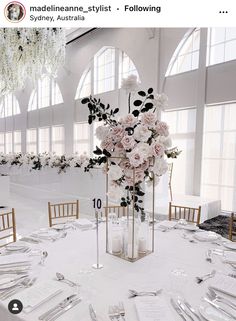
x=77 y=252
x=4 y=190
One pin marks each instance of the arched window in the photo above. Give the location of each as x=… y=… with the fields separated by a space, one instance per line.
x=186 y=55
x=84 y=89
x=221 y=45
x=9 y=106
x=105 y=72
x=47 y=93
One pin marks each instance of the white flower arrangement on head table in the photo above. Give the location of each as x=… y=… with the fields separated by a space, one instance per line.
x=136 y=141
x=44 y=160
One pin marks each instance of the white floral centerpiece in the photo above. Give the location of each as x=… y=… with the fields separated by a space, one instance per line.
x=137 y=141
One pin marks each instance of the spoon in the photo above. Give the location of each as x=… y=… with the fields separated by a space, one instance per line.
x=61 y=277
x=134 y=293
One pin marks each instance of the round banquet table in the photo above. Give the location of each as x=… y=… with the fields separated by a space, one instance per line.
x=74 y=255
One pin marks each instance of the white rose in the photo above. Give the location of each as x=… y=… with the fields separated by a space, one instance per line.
x=142 y=133
x=102 y=132
x=145 y=150
x=161 y=101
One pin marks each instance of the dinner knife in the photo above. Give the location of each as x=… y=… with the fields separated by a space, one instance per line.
x=177 y=309
x=65 y=309
x=92 y=313
x=183 y=308
x=52 y=310
x=219 y=308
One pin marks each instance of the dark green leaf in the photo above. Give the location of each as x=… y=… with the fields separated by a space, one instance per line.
x=104 y=116
x=116 y=111
x=150 y=90
x=151 y=96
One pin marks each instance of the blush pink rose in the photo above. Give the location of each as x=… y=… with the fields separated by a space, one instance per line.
x=135 y=158
x=162 y=129
x=117 y=133
x=129 y=120
x=149 y=118
x=158 y=149
x=128 y=142
x=107 y=144
x=125 y=164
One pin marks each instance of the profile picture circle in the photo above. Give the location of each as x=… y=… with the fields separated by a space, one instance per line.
x=15 y=11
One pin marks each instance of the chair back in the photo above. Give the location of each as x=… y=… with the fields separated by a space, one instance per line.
x=7 y=228
x=116 y=209
x=232 y=227
x=190 y=214
x=61 y=212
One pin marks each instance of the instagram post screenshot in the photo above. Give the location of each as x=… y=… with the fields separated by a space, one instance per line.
x=117 y=160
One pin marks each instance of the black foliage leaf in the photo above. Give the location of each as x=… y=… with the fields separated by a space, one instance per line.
x=98 y=151
x=151 y=96
x=135 y=113
x=149 y=106
x=104 y=116
x=106 y=153
x=137 y=102
x=85 y=100
x=150 y=90
x=124 y=204
x=142 y=93
x=140 y=201
x=102 y=105
x=140 y=193
x=90 y=119
x=144 y=110
x=116 y=111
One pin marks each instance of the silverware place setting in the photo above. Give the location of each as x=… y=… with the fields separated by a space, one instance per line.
x=134 y=293
x=61 y=308
x=23 y=284
x=184 y=309
x=116 y=312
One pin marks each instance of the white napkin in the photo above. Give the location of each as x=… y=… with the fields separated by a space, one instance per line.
x=229 y=257
x=83 y=223
x=224 y=284
x=38 y=294
x=166 y=224
x=14 y=258
x=152 y=309
x=206 y=236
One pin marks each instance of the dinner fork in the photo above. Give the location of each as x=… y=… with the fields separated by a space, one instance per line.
x=113 y=313
x=26 y=283
x=122 y=310
x=215 y=297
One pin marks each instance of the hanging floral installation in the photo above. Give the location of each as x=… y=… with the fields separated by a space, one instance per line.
x=139 y=141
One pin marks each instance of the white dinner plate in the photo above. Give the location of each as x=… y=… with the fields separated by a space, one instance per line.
x=206 y=236
x=211 y=314
x=230 y=245
x=46 y=232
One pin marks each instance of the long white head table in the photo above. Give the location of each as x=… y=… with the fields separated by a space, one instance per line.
x=74 y=255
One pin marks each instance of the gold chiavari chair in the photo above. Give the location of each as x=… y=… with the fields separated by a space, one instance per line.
x=170 y=171
x=62 y=212
x=190 y=214
x=116 y=209
x=232 y=227
x=7 y=228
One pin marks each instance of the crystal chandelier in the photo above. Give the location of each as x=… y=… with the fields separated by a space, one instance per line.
x=27 y=53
